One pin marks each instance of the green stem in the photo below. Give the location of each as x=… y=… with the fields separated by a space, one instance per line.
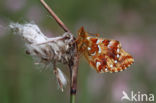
x=73 y=67
x=72 y=98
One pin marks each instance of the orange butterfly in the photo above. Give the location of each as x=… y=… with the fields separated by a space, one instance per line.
x=103 y=55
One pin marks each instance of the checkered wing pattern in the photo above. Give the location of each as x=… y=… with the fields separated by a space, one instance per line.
x=103 y=55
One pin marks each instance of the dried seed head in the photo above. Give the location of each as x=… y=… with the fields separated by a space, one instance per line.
x=30 y=32
x=41 y=47
x=46 y=50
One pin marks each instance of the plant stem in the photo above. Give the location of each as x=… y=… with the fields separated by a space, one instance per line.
x=72 y=99
x=74 y=60
x=73 y=67
x=52 y=13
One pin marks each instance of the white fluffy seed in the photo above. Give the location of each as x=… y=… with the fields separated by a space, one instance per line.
x=42 y=48
x=45 y=50
x=62 y=77
x=30 y=32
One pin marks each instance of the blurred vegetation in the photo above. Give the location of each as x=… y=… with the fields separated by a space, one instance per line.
x=131 y=21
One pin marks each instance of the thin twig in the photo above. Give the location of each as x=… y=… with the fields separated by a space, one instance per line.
x=58 y=20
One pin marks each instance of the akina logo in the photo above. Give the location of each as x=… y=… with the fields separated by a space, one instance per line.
x=137 y=96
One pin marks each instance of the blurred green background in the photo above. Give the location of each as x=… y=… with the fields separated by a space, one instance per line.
x=133 y=22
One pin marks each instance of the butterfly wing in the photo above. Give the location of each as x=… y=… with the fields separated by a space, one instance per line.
x=107 y=55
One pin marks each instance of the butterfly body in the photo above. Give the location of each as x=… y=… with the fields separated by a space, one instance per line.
x=103 y=55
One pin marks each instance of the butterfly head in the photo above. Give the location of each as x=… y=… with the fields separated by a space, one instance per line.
x=82 y=39
x=82 y=33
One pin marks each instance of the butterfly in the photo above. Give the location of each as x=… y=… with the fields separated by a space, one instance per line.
x=103 y=55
